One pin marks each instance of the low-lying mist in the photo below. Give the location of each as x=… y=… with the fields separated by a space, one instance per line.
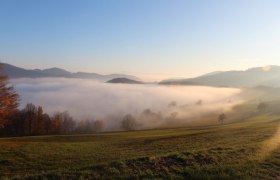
x=152 y=106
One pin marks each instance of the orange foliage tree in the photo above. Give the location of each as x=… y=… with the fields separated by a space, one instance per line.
x=8 y=100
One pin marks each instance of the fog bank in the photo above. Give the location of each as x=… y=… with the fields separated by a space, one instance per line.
x=153 y=106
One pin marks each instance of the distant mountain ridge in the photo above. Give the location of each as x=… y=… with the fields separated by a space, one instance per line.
x=17 y=72
x=253 y=77
x=259 y=76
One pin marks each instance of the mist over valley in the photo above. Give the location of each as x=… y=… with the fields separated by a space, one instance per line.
x=152 y=105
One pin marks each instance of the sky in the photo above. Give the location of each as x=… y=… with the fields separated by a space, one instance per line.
x=152 y=39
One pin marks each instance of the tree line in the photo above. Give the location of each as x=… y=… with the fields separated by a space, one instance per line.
x=32 y=120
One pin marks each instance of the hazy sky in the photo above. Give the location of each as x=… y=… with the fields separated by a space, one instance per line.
x=153 y=39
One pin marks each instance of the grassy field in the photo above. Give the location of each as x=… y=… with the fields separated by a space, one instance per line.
x=248 y=149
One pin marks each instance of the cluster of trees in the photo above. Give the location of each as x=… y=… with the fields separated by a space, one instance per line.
x=129 y=123
x=33 y=121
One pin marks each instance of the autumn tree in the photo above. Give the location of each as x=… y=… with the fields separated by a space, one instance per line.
x=8 y=100
x=14 y=126
x=56 y=123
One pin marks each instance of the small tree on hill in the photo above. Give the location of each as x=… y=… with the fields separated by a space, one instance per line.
x=199 y=103
x=262 y=107
x=172 y=104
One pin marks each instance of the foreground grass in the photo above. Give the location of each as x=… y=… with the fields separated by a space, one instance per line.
x=248 y=149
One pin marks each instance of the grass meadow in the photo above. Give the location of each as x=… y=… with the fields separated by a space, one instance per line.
x=247 y=149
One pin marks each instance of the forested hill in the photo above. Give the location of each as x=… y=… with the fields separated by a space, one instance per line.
x=260 y=76
x=124 y=81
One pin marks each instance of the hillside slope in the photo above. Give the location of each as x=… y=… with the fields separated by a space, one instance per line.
x=250 y=78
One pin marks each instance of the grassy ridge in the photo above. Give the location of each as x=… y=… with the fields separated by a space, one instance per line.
x=247 y=149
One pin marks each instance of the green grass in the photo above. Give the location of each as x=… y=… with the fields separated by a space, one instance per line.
x=247 y=149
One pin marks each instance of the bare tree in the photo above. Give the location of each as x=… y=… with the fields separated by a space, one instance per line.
x=68 y=124
x=47 y=124
x=172 y=116
x=30 y=112
x=40 y=121
x=128 y=122
x=98 y=126
x=221 y=118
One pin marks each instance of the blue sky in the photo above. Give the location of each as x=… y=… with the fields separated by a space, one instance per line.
x=153 y=39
